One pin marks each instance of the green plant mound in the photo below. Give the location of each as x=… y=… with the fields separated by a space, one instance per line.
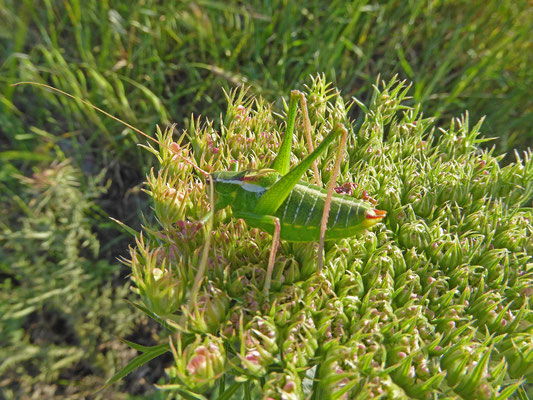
x=433 y=302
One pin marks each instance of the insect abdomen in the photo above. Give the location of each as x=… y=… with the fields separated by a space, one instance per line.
x=300 y=215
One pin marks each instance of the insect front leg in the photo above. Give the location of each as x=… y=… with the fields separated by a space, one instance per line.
x=269 y=223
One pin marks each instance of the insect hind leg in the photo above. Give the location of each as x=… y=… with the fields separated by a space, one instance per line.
x=327 y=204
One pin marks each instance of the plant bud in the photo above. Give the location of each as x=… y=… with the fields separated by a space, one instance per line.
x=351 y=307
x=511 y=239
x=284 y=385
x=291 y=272
x=300 y=341
x=169 y=196
x=162 y=291
x=469 y=371
x=378 y=265
x=332 y=325
x=518 y=352
x=398 y=260
x=337 y=373
x=415 y=234
x=351 y=284
x=465 y=276
x=407 y=285
x=286 y=304
x=452 y=254
x=259 y=346
x=200 y=364
x=209 y=311
x=424 y=204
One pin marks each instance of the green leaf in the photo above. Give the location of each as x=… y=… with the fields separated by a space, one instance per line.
x=24 y=156
x=187 y=394
x=139 y=361
x=509 y=390
x=152 y=315
x=522 y=394
x=230 y=391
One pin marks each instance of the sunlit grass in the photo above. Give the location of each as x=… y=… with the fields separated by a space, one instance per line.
x=157 y=63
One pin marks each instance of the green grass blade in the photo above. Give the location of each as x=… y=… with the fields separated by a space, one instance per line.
x=137 y=362
x=126 y=228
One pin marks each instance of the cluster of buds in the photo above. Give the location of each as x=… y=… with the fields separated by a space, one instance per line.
x=518 y=352
x=471 y=373
x=412 y=367
x=169 y=202
x=317 y=99
x=209 y=311
x=337 y=373
x=401 y=310
x=300 y=341
x=259 y=346
x=491 y=311
x=199 y=364
x=407 y=288
x=285 y=385
x=159 y=283
x=333 y=325
x=285 y=305
x=179 y=163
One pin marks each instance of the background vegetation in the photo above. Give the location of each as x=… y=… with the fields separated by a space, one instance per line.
x=154 y=62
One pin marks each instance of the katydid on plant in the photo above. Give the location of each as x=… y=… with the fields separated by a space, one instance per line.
x=275 y=199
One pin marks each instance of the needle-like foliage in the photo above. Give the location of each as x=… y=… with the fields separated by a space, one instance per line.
x=434 y=302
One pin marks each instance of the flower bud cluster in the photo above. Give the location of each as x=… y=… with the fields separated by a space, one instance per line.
x=518 y=351
x=199 y=364
x=259 y=343
x=209 y=311
x=300 y=341
x=432 y=302
x=157 y=280
x=285 y=385
x=468 y=371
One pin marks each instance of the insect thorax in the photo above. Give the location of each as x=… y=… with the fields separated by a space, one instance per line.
x=241 y=189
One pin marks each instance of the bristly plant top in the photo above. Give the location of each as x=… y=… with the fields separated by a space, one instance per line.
x=433 y=303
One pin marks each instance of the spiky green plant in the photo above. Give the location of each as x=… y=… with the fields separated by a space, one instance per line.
x=432 y=303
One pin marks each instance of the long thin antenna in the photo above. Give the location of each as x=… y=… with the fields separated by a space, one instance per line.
x=173 y=150
x=87 y=104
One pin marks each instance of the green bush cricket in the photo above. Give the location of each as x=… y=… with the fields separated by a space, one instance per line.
x=275 y=199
